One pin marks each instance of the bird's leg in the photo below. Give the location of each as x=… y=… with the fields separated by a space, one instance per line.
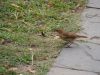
x=66 y=43
x=69 y=44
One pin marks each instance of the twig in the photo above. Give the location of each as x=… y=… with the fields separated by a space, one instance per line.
x=32 y=55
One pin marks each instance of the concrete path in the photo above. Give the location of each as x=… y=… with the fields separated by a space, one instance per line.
x=85 y=58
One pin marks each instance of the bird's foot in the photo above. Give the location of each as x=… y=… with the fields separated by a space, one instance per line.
x=68 y=46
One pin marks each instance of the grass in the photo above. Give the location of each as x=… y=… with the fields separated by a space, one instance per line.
x=22 y=21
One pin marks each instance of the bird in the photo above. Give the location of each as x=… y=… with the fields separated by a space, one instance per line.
x=69 y=37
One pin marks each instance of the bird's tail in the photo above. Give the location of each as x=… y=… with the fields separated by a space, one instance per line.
x=79 y=36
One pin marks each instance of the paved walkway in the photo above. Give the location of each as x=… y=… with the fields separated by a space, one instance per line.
x=85 y=58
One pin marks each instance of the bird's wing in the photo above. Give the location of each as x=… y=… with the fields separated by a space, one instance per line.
x=70 y=34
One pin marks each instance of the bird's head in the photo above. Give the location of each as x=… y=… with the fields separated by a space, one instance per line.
x=59 y=30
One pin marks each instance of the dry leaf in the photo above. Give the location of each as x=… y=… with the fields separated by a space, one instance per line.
x=13 y=69
x=15 y=5
x=56 y=37
x=31 y=71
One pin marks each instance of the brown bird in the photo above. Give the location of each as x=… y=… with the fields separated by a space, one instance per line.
x=70 y=37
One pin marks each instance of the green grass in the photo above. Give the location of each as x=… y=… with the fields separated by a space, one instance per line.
x=22 y=21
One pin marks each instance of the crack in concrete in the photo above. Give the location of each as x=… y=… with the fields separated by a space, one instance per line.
x=94 y=22
x=91 y=16
x=71 y=68
x=88 y=54
x=98 y=73
x=95 y=37
x=93 y=42
x=92 y=7
x=88 y=47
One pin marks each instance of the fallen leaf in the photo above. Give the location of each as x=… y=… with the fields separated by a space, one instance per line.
x=13 y=69
x=31 y=71
x=56 y=37
x=15 y=5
